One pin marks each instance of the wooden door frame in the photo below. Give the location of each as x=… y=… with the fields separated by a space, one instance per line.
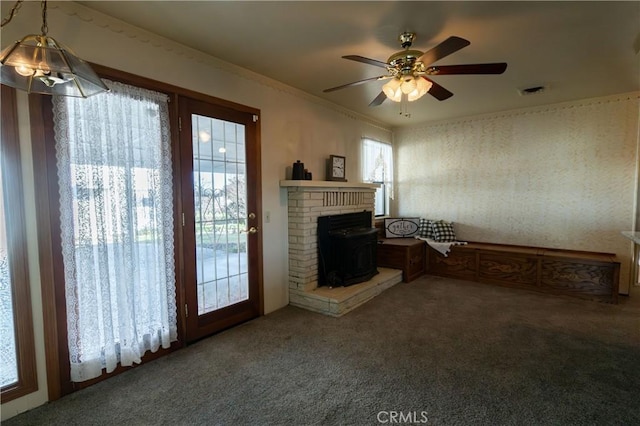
x=48 y=227
x=15 y=224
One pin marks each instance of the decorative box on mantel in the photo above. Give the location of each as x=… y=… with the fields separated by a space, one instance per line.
x=307 y=200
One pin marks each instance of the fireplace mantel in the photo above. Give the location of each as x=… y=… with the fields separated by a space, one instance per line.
x=327 y=184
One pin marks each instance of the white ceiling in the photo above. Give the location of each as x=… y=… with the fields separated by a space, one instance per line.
x=578 y=49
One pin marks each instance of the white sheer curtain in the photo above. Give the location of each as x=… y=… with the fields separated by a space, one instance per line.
x=377 y=166
x=116 y=212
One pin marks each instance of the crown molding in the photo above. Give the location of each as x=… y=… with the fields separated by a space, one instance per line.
x=526 y=111
x=153 y=40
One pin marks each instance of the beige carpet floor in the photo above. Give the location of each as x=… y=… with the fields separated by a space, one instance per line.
x=435 y=351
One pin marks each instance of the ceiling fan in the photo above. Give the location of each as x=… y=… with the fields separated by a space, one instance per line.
x=408 y=69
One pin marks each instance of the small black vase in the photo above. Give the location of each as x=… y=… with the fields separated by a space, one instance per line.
x=298 y=171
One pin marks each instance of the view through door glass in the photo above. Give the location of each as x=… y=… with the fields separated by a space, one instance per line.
x=8 y=355
x=221 y=204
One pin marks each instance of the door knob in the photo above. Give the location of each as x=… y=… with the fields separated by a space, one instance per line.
x=252 y=230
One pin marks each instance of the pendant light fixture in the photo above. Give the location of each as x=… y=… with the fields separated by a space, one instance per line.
x=39 y=64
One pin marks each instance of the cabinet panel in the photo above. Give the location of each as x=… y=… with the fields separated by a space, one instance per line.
x=571 y=277
x=508 y=268
x=391 y=256
x=415 y=262
x=459 y=263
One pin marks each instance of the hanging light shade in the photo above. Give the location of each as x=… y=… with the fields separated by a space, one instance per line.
x=408 y=84
x=422 y=87
x=393 y=89
x=39 y=64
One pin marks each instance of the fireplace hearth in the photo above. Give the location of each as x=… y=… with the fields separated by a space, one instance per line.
x=347 y=246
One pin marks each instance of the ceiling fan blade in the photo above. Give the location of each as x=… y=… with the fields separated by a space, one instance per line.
x=446 y=48
x=378 y=100
x=437 y=91
x=494 y=68
x=356 y=83
x=369 y=61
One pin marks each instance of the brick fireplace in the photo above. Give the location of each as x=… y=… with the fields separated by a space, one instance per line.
x=308 y=200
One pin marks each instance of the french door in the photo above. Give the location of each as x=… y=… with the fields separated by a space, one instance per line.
x=220 y=168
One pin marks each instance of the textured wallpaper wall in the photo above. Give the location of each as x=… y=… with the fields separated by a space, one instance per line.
x=561 y=176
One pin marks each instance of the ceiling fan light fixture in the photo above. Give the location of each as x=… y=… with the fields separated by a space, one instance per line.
x=408 y=69
x=393 y=89
x=422 y=87
x=39 y=64
x=413 y=87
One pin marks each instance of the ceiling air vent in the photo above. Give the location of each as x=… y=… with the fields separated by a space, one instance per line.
x=532 y=90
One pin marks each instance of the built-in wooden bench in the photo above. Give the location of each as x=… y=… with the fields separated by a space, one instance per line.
x=568 y=272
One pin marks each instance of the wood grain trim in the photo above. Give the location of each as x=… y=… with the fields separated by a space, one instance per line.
x=47 y=206
x=178 y=230
x=17 y=242
x=256 y=175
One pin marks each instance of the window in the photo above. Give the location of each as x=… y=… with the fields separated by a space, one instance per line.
x=17 y=355
x=377 y=167
x=116 y=214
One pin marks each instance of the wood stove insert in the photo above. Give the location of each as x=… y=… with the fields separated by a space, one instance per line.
x=347 y=246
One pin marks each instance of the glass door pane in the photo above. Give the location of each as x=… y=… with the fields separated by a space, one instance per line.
x=220 y=207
